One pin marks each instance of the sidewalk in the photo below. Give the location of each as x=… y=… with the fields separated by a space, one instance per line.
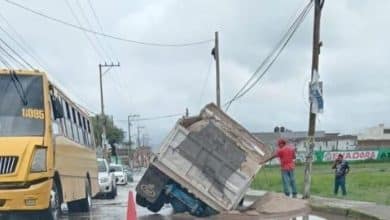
x=350 y=208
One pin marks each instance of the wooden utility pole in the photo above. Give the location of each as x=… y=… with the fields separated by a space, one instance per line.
x=102 y=102
x=216 y=56
x=138 y=135
x=129 y=119
x=318 y=4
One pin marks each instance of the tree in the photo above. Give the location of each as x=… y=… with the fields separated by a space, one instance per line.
x=114 y=134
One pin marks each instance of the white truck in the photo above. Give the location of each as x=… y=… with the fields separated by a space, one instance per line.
x=204 y=166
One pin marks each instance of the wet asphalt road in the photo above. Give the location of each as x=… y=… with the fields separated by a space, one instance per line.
x=116 y=209
x=110 y=209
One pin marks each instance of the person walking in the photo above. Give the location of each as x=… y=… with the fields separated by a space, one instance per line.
x=286 y=154
x=341 y=168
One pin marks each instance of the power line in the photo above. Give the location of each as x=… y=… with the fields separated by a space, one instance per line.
x=277 y=49
x=7 y=54
x=100 y=26
x=205 y=81
x=4 y=62
x=105 y=34
x=115 y=77
x=156 y=117
x=31 y=52
x=272 y=57
x=159 y=117
x=98 y=53
x=16 y=53
x=89 y=25
x=19 y=44
x=23 y=44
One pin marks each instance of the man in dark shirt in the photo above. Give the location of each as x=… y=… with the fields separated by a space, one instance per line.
x=341 y=168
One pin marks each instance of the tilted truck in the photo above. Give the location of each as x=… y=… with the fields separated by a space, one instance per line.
x=204 y=165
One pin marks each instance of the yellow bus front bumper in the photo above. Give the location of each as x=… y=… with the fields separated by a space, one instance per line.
x=35 y=197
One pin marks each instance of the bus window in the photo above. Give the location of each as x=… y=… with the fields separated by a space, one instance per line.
x=64 y=119
x=79 y=128
x=84 y=126
x=74 y=124
x=61 y=120
x=69 y=121
x=80 y=122
x=88 y=126
x=89 y=133
x=85 y=132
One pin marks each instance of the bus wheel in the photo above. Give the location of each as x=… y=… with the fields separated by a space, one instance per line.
x=82 y=205
x=86 y=204
x=54 y=210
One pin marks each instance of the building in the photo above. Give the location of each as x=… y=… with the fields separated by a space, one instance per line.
x=374 y=138
x=141 y=157
x=323 y=141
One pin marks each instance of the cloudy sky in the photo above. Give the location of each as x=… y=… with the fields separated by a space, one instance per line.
x=154 y=81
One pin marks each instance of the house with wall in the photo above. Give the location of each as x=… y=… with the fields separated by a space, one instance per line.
x=374 y=138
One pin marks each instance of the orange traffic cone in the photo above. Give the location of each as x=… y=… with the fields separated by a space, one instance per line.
x=131 y=208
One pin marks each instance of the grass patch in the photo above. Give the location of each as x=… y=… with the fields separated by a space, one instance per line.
x=365 y=182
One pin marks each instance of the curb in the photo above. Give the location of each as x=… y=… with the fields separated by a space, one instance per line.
x=342 y=211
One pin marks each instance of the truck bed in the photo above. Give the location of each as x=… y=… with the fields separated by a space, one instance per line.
x=212 y=156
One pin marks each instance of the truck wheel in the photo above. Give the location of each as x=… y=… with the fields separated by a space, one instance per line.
x=158 y=204
x=141 y=201
x=82 y=205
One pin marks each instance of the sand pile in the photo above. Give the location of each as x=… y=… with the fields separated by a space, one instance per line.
x=277 y=203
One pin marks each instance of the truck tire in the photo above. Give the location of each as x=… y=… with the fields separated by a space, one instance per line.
x=141 y=201
x=158 y=204
x=82 y=205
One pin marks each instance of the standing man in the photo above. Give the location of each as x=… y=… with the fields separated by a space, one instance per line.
x=286 y=155
x=341 y=168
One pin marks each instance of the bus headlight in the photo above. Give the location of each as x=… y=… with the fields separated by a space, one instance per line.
x=39 y=160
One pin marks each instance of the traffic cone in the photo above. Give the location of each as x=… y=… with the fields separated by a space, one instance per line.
x=131 y=209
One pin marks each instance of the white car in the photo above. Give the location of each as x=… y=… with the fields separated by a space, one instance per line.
x=107 y=179
x=119 y=173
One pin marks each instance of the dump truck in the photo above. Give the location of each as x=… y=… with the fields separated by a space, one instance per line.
x=203 y=167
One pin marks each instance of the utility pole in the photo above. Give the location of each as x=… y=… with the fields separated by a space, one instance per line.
x=138 y=135
x=101 y=66
x=318 y=5
x=215 y=53
x=129 y=119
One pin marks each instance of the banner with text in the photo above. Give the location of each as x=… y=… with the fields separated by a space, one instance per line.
x=351 y=155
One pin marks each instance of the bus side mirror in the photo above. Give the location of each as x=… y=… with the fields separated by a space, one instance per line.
x=58 y=111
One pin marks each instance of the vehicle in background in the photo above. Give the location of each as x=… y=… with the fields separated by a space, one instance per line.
x=130 y=177
x=48 y=154
x=107 y=181
x=205 y=165
x=119 y=173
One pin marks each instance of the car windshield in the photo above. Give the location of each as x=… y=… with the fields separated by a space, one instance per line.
x=117 y=168
x=21 y=105
x=102 y=166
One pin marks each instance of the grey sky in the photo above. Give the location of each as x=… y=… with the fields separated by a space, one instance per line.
x=157 y=81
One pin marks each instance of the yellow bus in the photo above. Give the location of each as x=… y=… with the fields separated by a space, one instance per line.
x=47 y=151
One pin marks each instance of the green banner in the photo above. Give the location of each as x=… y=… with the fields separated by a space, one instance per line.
x=384 y=154
x=319 y=156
